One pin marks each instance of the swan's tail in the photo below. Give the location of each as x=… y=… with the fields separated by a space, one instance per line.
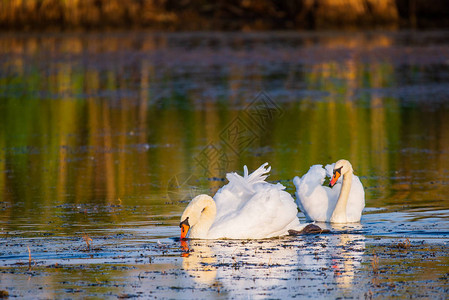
x=247 y=181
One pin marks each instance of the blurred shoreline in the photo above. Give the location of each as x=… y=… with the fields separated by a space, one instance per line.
x=243 y=15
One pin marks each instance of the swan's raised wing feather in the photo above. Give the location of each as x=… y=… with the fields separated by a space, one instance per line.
x=258 y=175
x=239 y=189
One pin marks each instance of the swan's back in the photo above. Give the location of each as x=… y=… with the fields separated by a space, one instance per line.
x=249 y=207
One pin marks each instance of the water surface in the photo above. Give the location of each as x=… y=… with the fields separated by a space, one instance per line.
x=110 y=135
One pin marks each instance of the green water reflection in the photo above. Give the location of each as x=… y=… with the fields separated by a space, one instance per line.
x=96 y=121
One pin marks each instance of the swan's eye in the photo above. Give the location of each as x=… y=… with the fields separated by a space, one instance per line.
x=338 y=170
x=186 y=222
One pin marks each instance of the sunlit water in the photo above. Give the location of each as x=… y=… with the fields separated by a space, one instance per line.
x=107 y=136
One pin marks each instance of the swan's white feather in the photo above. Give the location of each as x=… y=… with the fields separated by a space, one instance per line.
x=317 y=202
x=248 y=207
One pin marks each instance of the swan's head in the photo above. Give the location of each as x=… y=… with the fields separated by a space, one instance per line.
x=200 y=205
x=341 y=168
x=185 y=226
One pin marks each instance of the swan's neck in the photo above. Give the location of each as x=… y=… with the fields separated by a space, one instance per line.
x=339 y=214
x=207 y=211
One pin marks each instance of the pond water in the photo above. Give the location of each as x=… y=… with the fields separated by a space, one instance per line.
x=105 y=137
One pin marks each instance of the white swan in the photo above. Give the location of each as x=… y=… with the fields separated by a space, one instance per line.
x=247 y=207
x=341 y=204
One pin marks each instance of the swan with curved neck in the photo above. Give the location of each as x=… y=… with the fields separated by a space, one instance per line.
x=343 y=202
x=342 y=168
x=198 y=217
x=247 y=207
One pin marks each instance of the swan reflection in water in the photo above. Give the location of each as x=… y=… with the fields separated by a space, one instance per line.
x=340 y=253
x=199 y=261
x=350 y=249
x=260 y=268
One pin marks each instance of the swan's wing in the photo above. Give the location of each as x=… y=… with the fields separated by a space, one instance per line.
x=315 y=200
x=329 y=169
x=308 y=187
x=246 y=183
x=315 y=176
x=227 y=202
x=239 y=189
x=269 y=212
x=258 y=175
x=299 y=197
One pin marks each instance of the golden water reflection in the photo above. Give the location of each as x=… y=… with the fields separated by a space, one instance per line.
x=200 y=262
x=104 y=118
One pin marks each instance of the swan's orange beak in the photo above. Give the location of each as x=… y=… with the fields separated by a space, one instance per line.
x=334 y=178
x=184 y=228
